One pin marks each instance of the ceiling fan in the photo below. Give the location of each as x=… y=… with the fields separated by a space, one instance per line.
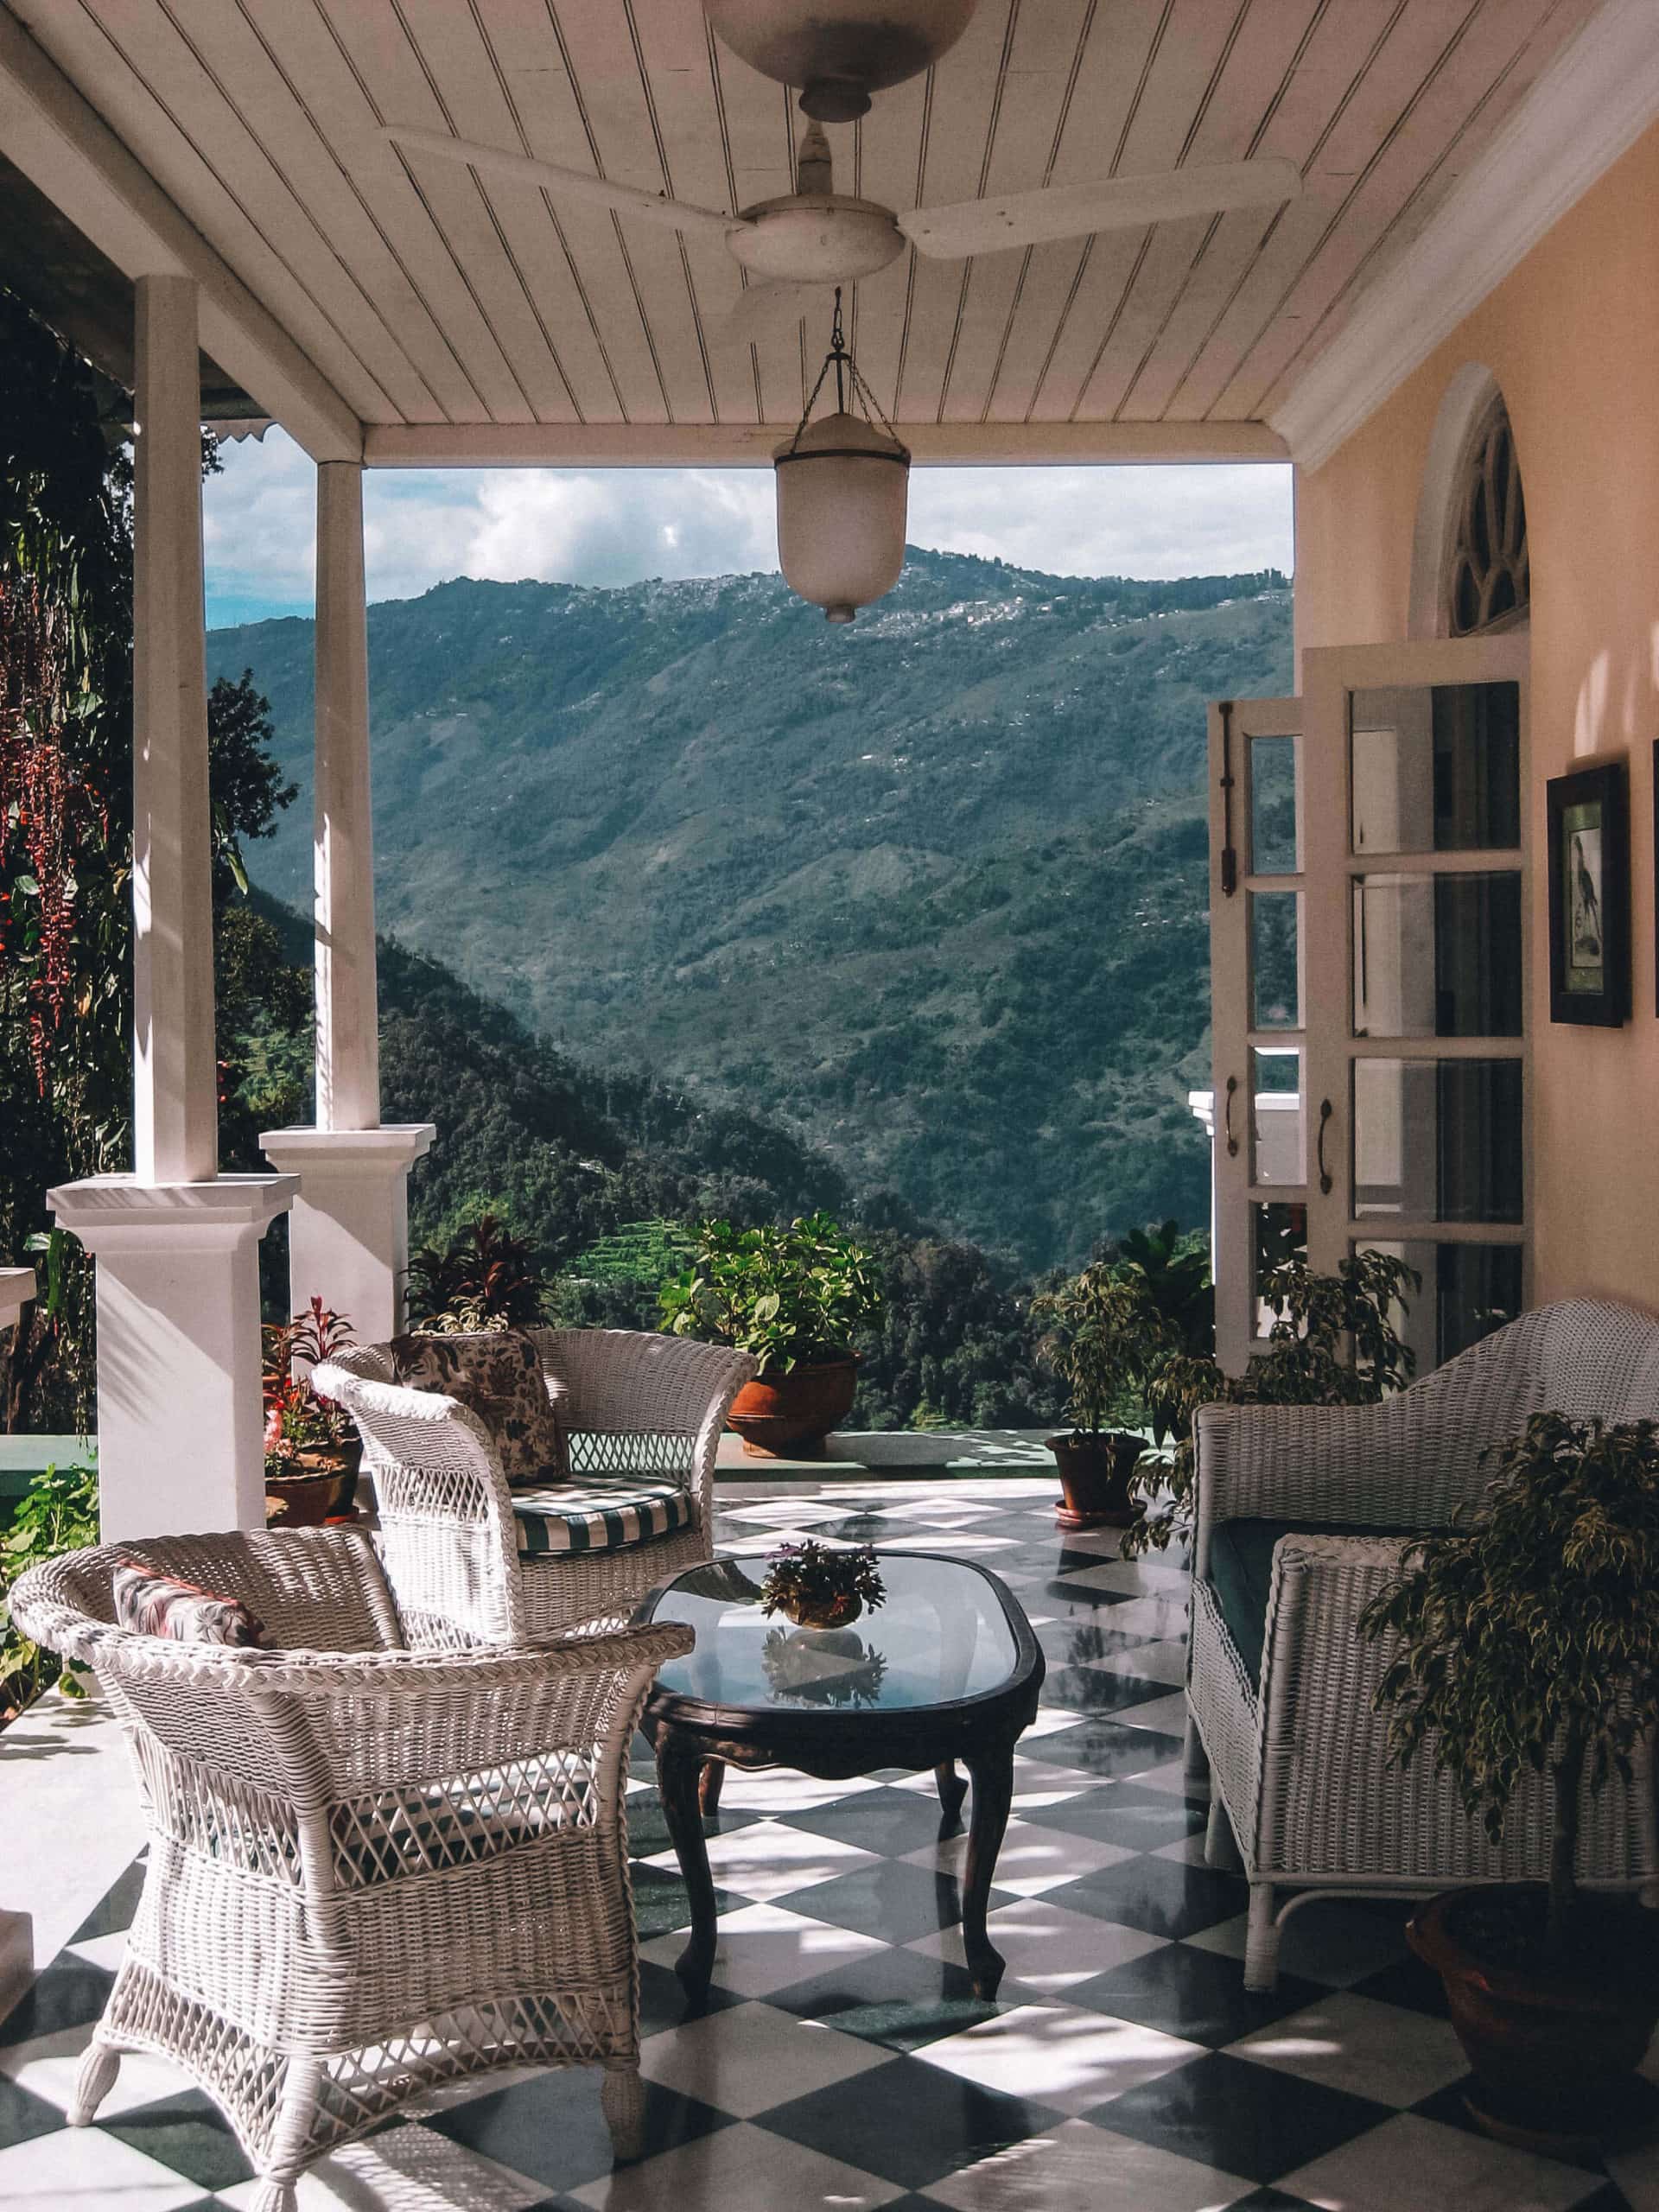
x=800 y=247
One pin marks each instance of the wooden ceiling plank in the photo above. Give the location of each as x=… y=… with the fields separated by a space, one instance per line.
x=619 y=116
x=326 y=75
x=182 y=83
x=1116 y=65
x=679 y=57
x=612 y=362
x=1386 y=219
x=1250 y=85
x=96 y=63
x=1302 y=111
x=396 y=82
x=1036 y=95
x=965 y=103
x=1192 y=39
x=1425 y=50
x=506 y=221
x=248 y=71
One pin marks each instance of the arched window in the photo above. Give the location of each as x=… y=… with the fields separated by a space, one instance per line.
x=1488 y=586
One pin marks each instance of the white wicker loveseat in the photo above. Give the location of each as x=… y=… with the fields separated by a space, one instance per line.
x=465 y=1553
x=370 y=1870
x=1280 y=1685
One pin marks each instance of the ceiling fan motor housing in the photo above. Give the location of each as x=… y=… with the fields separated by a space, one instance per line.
x=809 y=239
x=839 y=51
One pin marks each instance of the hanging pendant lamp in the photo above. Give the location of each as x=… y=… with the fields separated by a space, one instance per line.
x=843 y=492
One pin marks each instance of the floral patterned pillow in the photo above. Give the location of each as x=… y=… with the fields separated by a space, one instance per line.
x=152 y=1603
x=497 y=1375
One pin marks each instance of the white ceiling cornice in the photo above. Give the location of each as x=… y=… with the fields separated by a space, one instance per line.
x=1589 y=107
x=751 y=445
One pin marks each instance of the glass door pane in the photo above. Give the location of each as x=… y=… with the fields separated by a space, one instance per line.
x=1436 y=767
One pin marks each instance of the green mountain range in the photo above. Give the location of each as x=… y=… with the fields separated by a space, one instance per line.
x=927 y=895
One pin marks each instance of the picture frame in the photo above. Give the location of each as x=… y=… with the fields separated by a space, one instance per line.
x=1588 y=816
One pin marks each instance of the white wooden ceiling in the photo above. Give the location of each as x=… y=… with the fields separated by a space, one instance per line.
x=426 y=297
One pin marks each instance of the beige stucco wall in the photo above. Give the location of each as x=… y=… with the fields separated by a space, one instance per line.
x=1573 y=338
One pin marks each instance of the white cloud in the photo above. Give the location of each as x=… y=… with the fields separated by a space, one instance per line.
x=615 y=526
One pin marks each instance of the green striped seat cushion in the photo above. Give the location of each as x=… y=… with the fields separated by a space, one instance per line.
x=599 y=1514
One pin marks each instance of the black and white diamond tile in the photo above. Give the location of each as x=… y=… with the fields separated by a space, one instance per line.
x=843 y=2059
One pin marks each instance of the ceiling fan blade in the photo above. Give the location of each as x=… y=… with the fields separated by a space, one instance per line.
x=567 y=184
x=1074 y=210
x=765 y=311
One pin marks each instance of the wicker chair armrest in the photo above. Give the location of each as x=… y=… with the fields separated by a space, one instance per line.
x=1280 y=1462
x=445 y=1456
x=45 y=1604
x=1320 y=1677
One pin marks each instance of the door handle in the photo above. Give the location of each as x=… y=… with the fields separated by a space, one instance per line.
x=1227 y=1124
x=1325 y=1111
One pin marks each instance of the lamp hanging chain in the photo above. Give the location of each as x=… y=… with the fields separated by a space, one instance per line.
x=847 y=374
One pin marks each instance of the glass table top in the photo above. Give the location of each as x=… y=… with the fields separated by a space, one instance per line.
x=940 y=1635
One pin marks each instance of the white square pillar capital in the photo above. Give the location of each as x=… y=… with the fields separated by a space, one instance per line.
x=348 y=1236
x=181 y=1424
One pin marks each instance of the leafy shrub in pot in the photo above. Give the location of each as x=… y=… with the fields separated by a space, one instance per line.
x=1104 y=1335
x=1527 y=1640
x=796 y=1298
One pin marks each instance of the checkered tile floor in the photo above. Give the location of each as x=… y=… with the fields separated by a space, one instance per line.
x=844 y=2060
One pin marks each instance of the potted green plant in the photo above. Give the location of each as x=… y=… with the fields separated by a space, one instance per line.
x=1105 y=1334
x=483 y=1278
x=797 y=1298
x=1527 y=1642
x=822 y=1585
x=313 y=1452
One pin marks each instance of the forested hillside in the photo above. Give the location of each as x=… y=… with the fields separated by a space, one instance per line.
x=567 y=1154
x=928 y=892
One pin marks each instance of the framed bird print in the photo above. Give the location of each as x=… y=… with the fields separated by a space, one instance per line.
x=1590 y=897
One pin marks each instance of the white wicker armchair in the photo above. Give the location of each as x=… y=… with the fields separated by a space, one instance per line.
x=642 y=1411
x=370 y=1870
x=1301 y=1785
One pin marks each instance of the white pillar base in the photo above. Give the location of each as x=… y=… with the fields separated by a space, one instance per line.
x=348 y=1233
x=181 y=1426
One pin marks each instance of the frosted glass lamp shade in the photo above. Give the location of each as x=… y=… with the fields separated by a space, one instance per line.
x=843 y=495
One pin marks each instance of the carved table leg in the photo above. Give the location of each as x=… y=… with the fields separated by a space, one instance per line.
x=952 y=1790
x=679 y=1776
x=992 y=1772
x=713 y=1774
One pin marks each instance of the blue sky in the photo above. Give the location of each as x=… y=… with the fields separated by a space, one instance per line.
x=613 y=527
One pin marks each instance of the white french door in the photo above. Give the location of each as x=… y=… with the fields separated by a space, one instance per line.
x=1369 y=984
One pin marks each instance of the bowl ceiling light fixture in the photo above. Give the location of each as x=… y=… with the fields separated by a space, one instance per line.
x=839 y=51
x=844 y=486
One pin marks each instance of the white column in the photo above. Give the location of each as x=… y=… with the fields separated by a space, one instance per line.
x=179 y=1415
x=180 y=1422
x=348 y=1236
x=348 y=1232
x=16 y=1929
x=348 y=1037
x=175 y=1110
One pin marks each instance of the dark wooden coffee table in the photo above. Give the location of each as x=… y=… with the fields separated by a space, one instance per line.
x=946 y=1670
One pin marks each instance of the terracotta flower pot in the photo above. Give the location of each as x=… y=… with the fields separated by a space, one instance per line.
x=313 y=1487
x=1554 y=2045
x=1095 y=1467
x=788 y=1416
x=826 y=1612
